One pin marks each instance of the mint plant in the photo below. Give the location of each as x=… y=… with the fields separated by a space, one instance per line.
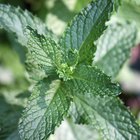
x=71 y=71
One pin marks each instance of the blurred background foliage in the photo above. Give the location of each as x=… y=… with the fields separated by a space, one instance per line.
x=15 y=84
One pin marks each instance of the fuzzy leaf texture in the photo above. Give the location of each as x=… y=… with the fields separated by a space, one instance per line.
x=114 y=47
x=43 y=53
x=87 y=26
x=15 y=20
x=109 y=116
x=46 y=108
x=90 y=79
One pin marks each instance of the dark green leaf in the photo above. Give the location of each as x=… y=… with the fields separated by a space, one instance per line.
x=9 y=117
x=86 y=27
x=90 y=79
x=43 y=54
x=14 y=136
x=46 y=108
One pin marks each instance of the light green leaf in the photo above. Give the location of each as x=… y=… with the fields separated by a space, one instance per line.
x=114 y=48
x=70 y=131
x=15 y=20
x=129 y=11
x=109 y=116
x=86 y=27
x=135 y=2
x=43 y=54
x=80 y=4
x=46 y=108
x=83 y=132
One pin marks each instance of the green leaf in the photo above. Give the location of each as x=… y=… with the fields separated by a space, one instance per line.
x=9 y=117
x=90 y=79
x=43 y=54
x=14 y=136
x=116 y=4
x=114 y=48
x=95 y=104
x=86 y=27
x=46 y=108
x=15 y=20
x=109 y=116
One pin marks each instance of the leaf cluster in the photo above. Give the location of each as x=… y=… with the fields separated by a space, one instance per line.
x=73 y=77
